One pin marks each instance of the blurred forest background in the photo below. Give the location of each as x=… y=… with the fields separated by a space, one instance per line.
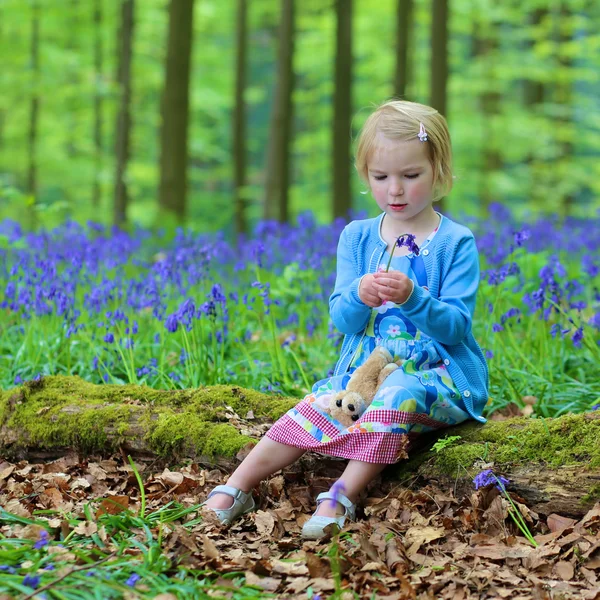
x=218 y=113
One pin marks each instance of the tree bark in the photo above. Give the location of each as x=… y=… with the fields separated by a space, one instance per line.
x=552 y=464
x=485 y=45
x=404 y=29
x=98 y=121
x=277 y=181
x=123 y=125
x=439 y=63
x=342 y=110
x=34 y=105
x=175 y=110
x=239 y=121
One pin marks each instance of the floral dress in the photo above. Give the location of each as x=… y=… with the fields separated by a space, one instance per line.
x=419 y=396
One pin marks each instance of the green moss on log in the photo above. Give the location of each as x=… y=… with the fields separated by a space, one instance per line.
x=63 y=411
x=566 y=440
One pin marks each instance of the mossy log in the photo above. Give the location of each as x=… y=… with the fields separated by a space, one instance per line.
x=552 y=464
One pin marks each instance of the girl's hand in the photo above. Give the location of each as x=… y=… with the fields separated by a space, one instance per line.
x=367 y=292
x=393 y=286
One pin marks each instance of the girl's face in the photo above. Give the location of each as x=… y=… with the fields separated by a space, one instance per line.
x=401 y=179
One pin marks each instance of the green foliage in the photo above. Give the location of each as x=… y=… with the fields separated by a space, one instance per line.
x=546 y=145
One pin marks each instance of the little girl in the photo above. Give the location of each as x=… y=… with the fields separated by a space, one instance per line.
x=420 y=310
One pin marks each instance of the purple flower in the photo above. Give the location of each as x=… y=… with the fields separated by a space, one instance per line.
x=577 y=337
x=31 y=581
x=133 y=579
x=596 y=407
x=43 y=540
x=109 y=338
x=336 y=489
x=8 y=569
x=487 y=477
x=521 y=236
x=408 y=240
x=496 y=327
x=489 y=354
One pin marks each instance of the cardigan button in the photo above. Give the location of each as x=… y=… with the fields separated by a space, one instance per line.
x=466 y=393
x=425 y=252
x=446 y=362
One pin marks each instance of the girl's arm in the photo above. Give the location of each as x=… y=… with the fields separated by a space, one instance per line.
x=348 y=312
x=449 y=318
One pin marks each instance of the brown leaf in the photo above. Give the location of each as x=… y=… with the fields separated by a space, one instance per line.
x=265 y=522
x=113 y=505
x=317 y=566
x=269 y=584
x=6 y=472
x=564 y=570
x=52 y=497
x=209 y=548
x=289 y=568
x=86 y=528
x=415 y=537
x=558 y=523
x=170 y=478
x=395 y=557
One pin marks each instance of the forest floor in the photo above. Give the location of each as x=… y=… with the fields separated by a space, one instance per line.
x=66 y=516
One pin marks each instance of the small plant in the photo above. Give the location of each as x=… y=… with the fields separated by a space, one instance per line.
x=488 y=477
x=447 y=441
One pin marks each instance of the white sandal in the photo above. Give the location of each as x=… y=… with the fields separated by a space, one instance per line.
x=314 y=528
x=242 y=503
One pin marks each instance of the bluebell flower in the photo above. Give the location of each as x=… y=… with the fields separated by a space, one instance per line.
x=487 y=477
x=8 y=569
x=43 y=540
x=132 y=580
x=31 y=581
x=489 y=354
x=577 y=337
x=109 y=338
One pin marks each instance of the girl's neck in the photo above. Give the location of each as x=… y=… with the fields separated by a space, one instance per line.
x=390 y=229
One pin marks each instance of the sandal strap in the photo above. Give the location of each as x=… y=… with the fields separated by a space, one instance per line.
x=235 y=493
x=345 y=502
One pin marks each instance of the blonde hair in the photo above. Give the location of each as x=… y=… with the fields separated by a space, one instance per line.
x=400 y=120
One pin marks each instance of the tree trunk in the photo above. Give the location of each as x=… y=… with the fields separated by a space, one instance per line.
x=533 y=97
x=342 y=110
x=439 y=55
x=439 y=62
x=553 y=465
x=277 y=180
x=98 y=64
x=34 y=106
x=239 y=121
x=404 y=29
x=564 y=98
x=175 y=110
x=124 y=116
x=485 y=46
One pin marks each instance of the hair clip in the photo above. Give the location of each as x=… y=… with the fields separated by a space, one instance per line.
x=422 y=133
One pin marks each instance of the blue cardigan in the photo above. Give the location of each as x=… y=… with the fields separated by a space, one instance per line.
x=444 y=312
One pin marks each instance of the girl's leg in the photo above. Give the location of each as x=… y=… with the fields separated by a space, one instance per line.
x=267 y=457
x=355 y=478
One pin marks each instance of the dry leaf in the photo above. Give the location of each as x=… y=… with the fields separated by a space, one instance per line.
x=564 y=570
x=265 y=522
x=113 y=505
x=86 y=528
x=558 y=523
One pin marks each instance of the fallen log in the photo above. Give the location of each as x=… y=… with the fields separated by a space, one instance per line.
x=553 y=464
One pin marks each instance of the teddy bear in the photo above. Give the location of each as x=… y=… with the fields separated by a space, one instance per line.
x=348 y=405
